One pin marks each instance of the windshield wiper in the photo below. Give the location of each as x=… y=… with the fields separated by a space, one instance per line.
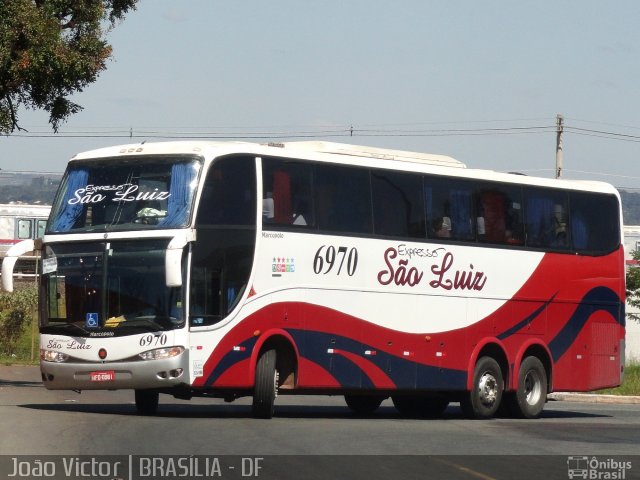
x=70 y=326
x=147 y=321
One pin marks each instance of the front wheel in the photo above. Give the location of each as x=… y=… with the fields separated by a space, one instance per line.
x=147 y=401
x=486 y=394
x=528 y=401
x=266 y=385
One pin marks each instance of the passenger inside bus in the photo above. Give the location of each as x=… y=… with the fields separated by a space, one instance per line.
x=442 y=227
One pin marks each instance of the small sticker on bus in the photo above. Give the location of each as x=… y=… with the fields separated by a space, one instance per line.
x=49 y=265
x=91 y=320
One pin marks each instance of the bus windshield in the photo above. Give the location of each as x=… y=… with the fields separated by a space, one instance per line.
x=124 y=194
x=101 y=287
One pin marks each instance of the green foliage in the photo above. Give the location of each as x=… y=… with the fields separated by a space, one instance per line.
x=49 y=50
x=16 y=311
x=633 y=288
x=630 y=385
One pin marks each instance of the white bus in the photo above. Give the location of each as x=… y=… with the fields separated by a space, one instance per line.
x=18 y=222
x=235 y=269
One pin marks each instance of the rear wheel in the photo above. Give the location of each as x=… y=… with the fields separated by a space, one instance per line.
x=266 y=385
x=486 y=394
x=363 y=404
x=528 y=401
x=147 y=401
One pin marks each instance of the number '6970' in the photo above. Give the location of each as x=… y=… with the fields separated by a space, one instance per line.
x=329 y=258
x=153 y=340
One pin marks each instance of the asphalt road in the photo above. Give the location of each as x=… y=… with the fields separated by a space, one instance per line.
x=317 y=436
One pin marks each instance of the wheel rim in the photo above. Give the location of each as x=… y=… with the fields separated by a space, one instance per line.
x=276 y=378
x=532 y=387
x=488 y=389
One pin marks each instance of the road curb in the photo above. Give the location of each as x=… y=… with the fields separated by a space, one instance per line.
x=593 y=398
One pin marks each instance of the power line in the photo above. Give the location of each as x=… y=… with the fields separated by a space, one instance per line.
x=603 y=134
x=338 y=132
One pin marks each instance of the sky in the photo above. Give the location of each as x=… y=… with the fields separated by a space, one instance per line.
x=481 y=81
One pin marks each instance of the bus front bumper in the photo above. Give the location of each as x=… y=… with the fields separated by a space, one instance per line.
x=164 y=373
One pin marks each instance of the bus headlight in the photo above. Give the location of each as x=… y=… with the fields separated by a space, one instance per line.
x=161 y=353
x=53 y=356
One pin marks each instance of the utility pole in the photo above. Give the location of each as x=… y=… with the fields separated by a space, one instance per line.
x=559 y=158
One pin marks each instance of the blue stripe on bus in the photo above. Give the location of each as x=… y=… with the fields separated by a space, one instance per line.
x=404 y=373
x=230 y=359
x=596 y=300
x=313 y=346
x=526 y=321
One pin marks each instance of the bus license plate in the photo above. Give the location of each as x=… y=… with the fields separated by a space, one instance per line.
x=106 y=376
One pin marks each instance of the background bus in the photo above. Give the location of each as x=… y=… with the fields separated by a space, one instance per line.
x=20 y=221
x=231 y=269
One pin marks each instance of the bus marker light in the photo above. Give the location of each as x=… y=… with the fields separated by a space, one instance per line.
x=330 y=350
x=239 y=348
x=408 y=354
x=102 y=353
x=256 y=333
x=370 y=352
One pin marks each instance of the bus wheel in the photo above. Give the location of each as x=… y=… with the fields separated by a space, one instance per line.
x=528 y=401
x=147 y=401
x=419 y=405
x=266 y=387
x=484 y=398
x=363 y=404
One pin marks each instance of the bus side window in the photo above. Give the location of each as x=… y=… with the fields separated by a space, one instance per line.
x=42 y=225
x=546 y=218
x=449 y=205
x=398 y=204
x=343 y=199
x=594 y=220
x=228 y=195
x=24 y=229
x=287 y=193
x=500 y=215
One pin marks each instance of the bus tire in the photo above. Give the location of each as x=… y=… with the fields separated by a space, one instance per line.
x=529 y=399
x=420 y=406
x=483 y=400
x=147 y=401
x=266 y=385
x=363 y=404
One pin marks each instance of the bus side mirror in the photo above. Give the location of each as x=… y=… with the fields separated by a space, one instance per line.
x=173 y=267
x=10 y=260
x=173 y=259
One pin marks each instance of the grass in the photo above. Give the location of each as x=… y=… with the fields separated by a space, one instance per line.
x=26 y=347
x=630 y=385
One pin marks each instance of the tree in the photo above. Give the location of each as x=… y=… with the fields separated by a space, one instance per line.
x=633 y=288
x=16 y=310
x=49 y=50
